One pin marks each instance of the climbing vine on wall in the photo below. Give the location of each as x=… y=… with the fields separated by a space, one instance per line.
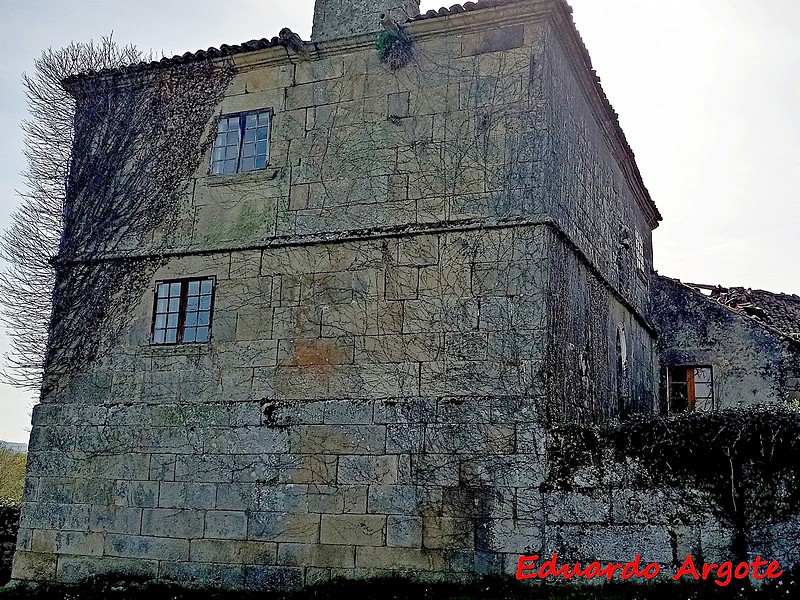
x=742 y=463
x=137 y=144
x=108 y=161
x=31 y=240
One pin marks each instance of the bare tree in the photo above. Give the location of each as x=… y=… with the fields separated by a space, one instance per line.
x=32 y=239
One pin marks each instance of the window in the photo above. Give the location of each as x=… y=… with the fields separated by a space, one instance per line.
x=691 y=388
x=623 y=398
x=639 y=251
x=183 y=311
x=242 y=143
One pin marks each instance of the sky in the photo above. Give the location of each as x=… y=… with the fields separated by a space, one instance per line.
x=708 y=95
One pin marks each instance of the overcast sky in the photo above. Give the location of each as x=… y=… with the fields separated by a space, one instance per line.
x=708 y=93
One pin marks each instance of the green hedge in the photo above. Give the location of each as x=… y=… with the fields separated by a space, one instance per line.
x=12 y=474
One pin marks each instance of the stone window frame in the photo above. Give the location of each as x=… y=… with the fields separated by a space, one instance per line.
x=691 y=377
x=224 y=144
x=171 y=301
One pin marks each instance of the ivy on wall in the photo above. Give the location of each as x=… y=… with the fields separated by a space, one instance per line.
x=137 y=145
x=109 y=159
x=741 y=464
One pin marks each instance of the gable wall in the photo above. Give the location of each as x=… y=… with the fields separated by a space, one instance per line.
x=750 y=363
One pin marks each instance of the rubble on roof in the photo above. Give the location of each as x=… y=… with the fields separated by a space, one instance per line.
x=780 y=312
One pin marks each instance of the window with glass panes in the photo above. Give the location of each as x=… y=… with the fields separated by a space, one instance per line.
x=242 y=143
x=640 y=252
x=183 y=311
x=691 y=388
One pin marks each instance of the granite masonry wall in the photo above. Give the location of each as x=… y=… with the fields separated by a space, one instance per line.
x=270 y=494
x=600 y=353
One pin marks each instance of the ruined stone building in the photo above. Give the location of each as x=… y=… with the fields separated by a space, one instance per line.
x=318 y=302
x=748 y=339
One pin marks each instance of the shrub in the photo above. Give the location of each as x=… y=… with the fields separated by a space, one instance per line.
x=12 y=474
x=744 y=461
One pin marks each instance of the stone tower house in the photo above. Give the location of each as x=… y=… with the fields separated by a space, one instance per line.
x=317 y=303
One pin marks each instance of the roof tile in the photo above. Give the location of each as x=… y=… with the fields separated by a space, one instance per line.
x=778 y=312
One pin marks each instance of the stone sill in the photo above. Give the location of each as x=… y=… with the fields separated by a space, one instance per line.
x=183 y=349
x=267 y=174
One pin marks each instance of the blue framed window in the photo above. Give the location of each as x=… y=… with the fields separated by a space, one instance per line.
x=182 y=312
x=242 y=143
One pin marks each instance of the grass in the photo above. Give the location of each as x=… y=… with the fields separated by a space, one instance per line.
x=488 y=588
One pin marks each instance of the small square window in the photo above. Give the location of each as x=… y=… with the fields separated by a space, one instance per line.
x=691 y=388
x=182 y=311
x=242 y=143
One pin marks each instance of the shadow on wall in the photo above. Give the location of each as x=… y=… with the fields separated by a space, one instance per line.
x=9 y=523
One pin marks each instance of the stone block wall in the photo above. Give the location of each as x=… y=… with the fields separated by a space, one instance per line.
x=355 y=147
x=335 y=19
x=600 y=351
x=349 y=391
x=270 y=494
x=390 y=294
x=487 y=128
x=256 y=494
x=456 y=313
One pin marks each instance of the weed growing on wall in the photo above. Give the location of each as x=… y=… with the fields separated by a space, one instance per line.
x=393 y=50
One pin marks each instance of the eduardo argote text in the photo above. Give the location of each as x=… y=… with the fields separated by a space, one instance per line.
x=530 y=567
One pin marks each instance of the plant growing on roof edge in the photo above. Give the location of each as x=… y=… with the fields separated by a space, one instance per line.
x=395 y=51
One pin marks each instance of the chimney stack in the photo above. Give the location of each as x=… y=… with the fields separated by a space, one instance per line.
x=334 y=19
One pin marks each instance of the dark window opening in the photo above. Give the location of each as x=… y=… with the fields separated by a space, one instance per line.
x=691 y=388
x=242 y=143
x=182 y=312
x=640 y=263
x=623 y=398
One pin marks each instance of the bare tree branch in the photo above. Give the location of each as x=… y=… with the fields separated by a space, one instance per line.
x=32 y=239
